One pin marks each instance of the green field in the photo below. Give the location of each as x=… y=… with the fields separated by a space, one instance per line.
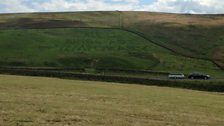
x=29 y=101
x=77 y=48
x=92 y=48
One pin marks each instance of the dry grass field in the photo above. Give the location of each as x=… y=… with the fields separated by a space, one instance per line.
x=31 y=101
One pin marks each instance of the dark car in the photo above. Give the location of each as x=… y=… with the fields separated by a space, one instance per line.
x=199 y=76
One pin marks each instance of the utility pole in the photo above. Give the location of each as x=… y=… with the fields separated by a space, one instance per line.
x=120 y=19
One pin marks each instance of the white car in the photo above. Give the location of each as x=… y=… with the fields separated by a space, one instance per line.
x=176 y=76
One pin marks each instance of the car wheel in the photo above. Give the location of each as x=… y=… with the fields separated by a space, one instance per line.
x=206 y=78
x=192 y=77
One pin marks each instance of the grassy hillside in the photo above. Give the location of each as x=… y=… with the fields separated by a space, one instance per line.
x=91 y=48
x=43 y=101
x=199 y=36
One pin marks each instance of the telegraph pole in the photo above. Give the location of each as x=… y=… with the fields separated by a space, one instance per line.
x=120 y=19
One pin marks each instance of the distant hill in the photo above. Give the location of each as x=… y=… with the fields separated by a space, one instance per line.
x=128 y=40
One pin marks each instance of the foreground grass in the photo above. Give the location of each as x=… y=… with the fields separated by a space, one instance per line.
x=43 y=101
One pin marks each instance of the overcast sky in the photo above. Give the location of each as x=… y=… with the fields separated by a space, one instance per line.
x=173 y=6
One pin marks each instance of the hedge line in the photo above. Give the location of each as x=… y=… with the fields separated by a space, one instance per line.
x=132 y=71
x=84 y=70
x=195 y=85
x=10 y=68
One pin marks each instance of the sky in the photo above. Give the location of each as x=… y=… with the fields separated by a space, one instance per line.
x=170 y=6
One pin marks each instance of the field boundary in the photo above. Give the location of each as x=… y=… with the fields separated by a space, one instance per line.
x=212 y=86
x=70 y=69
